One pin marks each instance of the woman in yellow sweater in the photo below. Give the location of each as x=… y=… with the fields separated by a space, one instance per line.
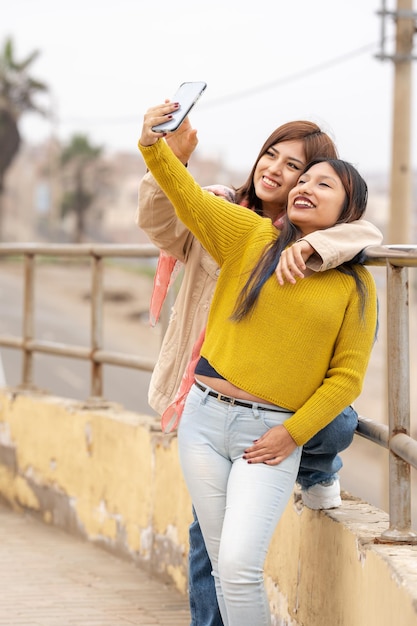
x=278 y=362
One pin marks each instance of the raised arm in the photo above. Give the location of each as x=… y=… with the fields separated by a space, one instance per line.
x=155 y=214
x=157 y=218
x=218 y=224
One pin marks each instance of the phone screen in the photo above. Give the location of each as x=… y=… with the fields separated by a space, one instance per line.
x=187 y=95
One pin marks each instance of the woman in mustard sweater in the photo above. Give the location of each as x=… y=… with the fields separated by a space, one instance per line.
x=278 y=362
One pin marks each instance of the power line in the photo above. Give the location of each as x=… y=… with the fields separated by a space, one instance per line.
x=291 y=78
x=315 y=69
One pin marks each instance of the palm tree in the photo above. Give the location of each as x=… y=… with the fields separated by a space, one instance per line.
x=17 y=96
x=79 y=158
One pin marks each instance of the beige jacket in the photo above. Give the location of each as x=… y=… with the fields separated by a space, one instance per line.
x=156 y=216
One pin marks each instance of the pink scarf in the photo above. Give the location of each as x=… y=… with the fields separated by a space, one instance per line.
x=171 y=416
x=166 y=272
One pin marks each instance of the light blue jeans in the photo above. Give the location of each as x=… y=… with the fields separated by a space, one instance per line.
x=319 y=462
x=238 y=504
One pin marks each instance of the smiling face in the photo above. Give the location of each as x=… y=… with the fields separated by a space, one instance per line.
x=276 y=173
x=317 y=200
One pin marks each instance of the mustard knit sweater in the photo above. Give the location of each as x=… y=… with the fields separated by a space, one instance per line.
x=304 y=347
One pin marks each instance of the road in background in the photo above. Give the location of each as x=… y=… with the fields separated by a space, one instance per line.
x=62 y=314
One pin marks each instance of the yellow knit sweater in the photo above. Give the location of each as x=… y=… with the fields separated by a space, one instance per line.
x=304 y=347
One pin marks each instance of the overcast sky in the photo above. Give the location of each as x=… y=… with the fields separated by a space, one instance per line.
x=265 y=63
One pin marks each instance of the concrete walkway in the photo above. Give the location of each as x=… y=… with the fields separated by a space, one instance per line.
x=50 y=578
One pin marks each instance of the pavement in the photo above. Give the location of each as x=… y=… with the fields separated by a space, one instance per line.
x=51 y=578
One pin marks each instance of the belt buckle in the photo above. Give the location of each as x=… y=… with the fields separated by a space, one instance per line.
x=225 y=399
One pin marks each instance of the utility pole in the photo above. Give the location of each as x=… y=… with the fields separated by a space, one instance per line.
x=401 y=168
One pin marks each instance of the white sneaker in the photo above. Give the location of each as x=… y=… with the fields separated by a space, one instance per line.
x=324 y=495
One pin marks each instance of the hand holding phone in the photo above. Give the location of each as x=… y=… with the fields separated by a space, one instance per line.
x=187 y=95
x=184 y=141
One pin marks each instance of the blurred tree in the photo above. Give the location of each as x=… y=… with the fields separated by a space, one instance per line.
x=17 y=93
x=79 y=159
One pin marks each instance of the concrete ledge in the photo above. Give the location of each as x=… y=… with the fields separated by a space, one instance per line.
x=331 y=570
x=112 y=477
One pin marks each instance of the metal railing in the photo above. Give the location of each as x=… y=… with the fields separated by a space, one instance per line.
x=395 y=437
x=94 y=353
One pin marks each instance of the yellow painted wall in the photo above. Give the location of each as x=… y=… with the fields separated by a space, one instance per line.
x=112 y=477
x=108 y=475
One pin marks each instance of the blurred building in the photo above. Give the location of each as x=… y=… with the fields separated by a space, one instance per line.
x=34 y=190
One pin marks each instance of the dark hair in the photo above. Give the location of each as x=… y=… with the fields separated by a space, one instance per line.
x=353 y=208
x=316 y=144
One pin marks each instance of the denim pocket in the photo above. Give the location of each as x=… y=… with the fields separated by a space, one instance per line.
x=274 y=418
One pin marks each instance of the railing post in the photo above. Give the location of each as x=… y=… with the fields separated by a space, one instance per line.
x=28 y=321
x=398 y=404
x=96 y=326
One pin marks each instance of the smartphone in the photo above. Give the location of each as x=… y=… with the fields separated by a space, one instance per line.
x=187 y=95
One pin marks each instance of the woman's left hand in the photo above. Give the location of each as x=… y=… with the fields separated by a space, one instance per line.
x=272 y=448
x=183 y=141
x=292 y=262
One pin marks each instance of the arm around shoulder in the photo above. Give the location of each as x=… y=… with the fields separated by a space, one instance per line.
x=156 y=216
x=338 y=244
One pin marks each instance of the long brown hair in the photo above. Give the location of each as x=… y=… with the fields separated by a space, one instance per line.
x=316 y=144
